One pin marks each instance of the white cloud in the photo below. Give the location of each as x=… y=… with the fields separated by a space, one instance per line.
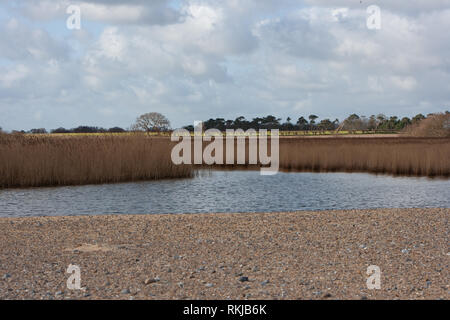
x=12 y=77
x=210 y=58
x=405 y=83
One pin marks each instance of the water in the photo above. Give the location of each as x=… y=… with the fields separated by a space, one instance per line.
x=231 y=191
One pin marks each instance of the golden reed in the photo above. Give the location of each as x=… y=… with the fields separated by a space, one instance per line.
x=397 y=155
x=32 y=161
x=410 y=156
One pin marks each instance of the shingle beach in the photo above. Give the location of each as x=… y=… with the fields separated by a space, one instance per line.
x=295 y=255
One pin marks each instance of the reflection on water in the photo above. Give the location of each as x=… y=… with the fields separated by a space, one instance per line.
x=231 y=191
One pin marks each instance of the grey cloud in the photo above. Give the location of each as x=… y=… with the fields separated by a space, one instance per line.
x=19 y=42
x=155 y=12
x=410 y=7
x=224 y=59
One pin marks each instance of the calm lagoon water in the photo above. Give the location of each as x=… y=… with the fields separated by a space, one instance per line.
x=231 y=191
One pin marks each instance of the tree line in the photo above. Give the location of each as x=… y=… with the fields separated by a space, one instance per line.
x=79 y=129
x=156 y=122
x=353 y=122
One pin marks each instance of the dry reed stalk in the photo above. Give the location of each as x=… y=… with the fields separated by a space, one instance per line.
x=54 y=161
x=32 y=161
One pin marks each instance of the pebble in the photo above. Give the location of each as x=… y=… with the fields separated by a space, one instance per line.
x=151 y=280
x=319 y=253
x=209 y=285
x=243 y=279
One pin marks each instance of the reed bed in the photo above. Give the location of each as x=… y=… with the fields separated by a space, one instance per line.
x=403 y=155
x=33 y=161
x=398 y=156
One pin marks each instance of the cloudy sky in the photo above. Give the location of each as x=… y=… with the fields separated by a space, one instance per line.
x=197 y=59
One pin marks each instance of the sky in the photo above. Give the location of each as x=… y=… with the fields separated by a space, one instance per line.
x=199 y=59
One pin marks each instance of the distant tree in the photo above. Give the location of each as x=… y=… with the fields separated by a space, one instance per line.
x=392 y=123
x=218 y=123
x=116 y=130
x=417 y=118
x=381 y=119
x=270 y=122
x=152 y=121
x=38 y=131
x=88 y=129
x=312 y=118
x=302 y=123
x=435 y=125
x=60 y=130
x=353 y=122
x=325 y=124
x=336 y=123
x=229 y=124
x=372 y=123
x=403 y=123
x=312 y=121
x=288 y=126
x=241 y=123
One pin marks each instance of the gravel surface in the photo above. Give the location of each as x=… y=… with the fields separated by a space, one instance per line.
x=299 y=255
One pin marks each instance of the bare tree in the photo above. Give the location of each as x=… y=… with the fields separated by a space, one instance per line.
x=152 y=121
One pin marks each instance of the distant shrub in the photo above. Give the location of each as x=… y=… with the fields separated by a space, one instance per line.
x=60 y=130
x=88 y=129
x=116 y=130
x=38 y=131
x=435 y=125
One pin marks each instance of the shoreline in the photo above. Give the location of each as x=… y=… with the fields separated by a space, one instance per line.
x=286 y=255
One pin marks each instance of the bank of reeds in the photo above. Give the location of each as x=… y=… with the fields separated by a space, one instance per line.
x=32 y=161
x=407 y=156
x=397 y=156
